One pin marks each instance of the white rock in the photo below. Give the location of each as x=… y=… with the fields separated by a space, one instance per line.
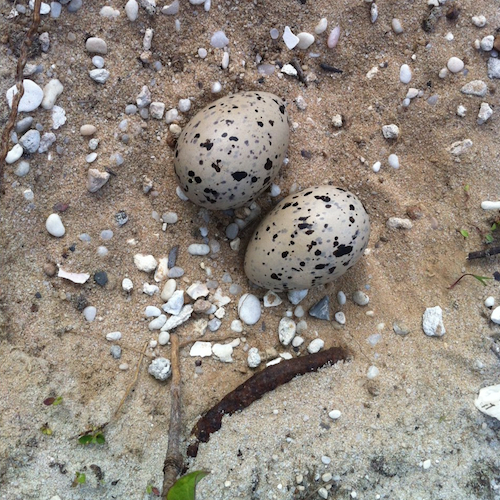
x=432 y=322
x=495 y=315
x=168 y=289
x=158 y=322
x=253 y=358
x=390 y=131
x=372 y=372
x=132 y=10
x=443 y=73
x=216 y=87
x=79 y=278
x=479 y=21
x=184 y=105
x=340 y=318
x=297 y=341
x=376 y=166
x=315 y=346
x=321 y=26
x=99 y=75
x=175 y=303
x=113 y=336
x=127 y=285
x=197 y=290
x=305 y=40
x=96 y=45
x=488 y=401
x=249 y=309
x=236 y=326
x=162 y=270
x=360 y=298
x=286 y=330
x=160 y=369
x=455 y=64
x=150 y=289
x=397 y=27
x=32 y=97
x=223 y=352
x=220 y=300
x=489 y=301
x=461 y=110
x=157 y=110
x=341 y=298
x=290 y=39
x=296 y=296
x=486 y=43
x=288 y=69
x=398 y=223
x=164 y=338
x=198 y=249
x=476 y=88
x=393 y=161
x=335 y=414
x=484 y=114
x=90 y=313
x=405 y=73
x=219 y=40
x=272 y=299
x=58 y=116
x=152 y=312
x=109 y=12
x=225 y=60
x=14 y=154
x=493 y=67
x=412 y=93
x=373 y=12
x=201 y=349
x=55 y=226
x=51 y=92
x=175 y=321
x=490 y=205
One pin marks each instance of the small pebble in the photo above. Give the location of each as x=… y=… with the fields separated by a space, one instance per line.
x=455 y=64
x=321 y=309
x=274 y=33
x=297 y=341
x=390 y=131
x=55 y=226
x=393 y=161
x=127 y=285
x=432 y=322
x=397 y=27
x=253 y=358
x=216 y=88
x=475 y=88
x=373 y=12
x=90 y=313
x=486 y=43
x=184 y=105
x=341 y=298
x=172 y=9
x=87 y=130
x=333 y=38
x=372 y=372
x=326 y=460
x=340 y=318
x=360 y=298
x=323 y=493
x=22 y=168
x=30 y=141
x=164 y=338
x=405 y=74
x=489 y=301
x=398 y=223
x=52 y=90
x=219 y=40
x=305 y=40
x=296 y=296
x=101 y=278
x=315 y=346
x=334 y=415
x=236 y=326
x=376 y=166
x=484 y=114
x=32 y=97
x=96 y=45
x=152 y=312
x=223 y=352
x=113 y=336
x=198 y=249
x=14 y=154
x=160 y=369
x=286 y=331
x=157 y=323
x=249 y=309
x=321 y=26
x=479 y=21
x=290 y=39
x=132 y=10
x=146 y=263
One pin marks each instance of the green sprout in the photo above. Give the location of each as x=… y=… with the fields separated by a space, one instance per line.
x=150 y=489
x=489 y=237
x=464 y=233
x=185 y=487
x=46 y=429
x=80 y=478
x=481 y=279
x=93 y=436
x=53 y=401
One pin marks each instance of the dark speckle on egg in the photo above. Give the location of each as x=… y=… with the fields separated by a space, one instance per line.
x=230 y=151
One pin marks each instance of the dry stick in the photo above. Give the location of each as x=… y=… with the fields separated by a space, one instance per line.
x=21 y=62
x=174 y=461
x=480 y=254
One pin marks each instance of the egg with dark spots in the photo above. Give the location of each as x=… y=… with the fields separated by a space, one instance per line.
x=308 y=239
x=232 y=149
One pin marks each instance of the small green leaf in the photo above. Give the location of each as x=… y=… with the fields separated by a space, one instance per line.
x=482 y=279
x=81 y=478
x=57 y=401
x=464 y=233
x=185 y=487
x=99 y=438
x=86 y=439
x=494 y=226
x=149 y=489
x=488 y=238
x=467 y=188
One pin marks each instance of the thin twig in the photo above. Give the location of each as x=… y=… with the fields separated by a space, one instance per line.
x=21 y=63
x=174 y=461
x=481 y=254
x=134 y=380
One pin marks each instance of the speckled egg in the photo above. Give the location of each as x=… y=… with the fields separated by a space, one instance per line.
x=231 y=150
x=308 y=239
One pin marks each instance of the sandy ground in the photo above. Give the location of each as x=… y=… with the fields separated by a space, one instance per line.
x=420 y=407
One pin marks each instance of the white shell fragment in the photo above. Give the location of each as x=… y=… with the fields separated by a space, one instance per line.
x=488 y=401
x=290 y=39
x=79 y=278
x=201 y=349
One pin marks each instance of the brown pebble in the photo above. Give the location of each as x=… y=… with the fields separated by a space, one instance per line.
x=50 y=269
x=453 y=12
x=373 y=387
x=61 y=207
x=414 y=212
x=496 y=43
x=202 y=306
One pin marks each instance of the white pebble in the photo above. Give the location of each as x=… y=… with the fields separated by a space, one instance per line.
x=376 y=166
x=335 y=414
x=360 y=298
x=372 y=372
x=127 y=285
x=172 y=9
x=201 y=349
x=393 y=161
x=90 y=313
x=98 y=62
x=495 y=315
x=158 y=322
x=489 y=301
x=28 y=195
x=333 y=38
x=219 y=40
x=99 y=75
x=55 y=226
x=315 y=346
x=455 y=64
x=14 y=154
x=390 y=131
x=236 y=326
x=184 y=105
x=461 y=110
x=216 y=88
x=426 y=464
x=168 y=289
x=297 y=341
x=175 y=303
x=340 y=318
x=432 y=322
x=323 y=493
x=96 y=45
x=288 y=69
x=479 y=21
x=490 y=205
x=296 y=296
x=274 y=33
x=150 y=289
x=290 y=39
x=132 y=10
x=164 y=338
x=223 y=352
x=405 y=74
x=398 y=223
x=321 y=26
x=305 y=40
x=146 y=263
x=253 y=358
x=249 y=309
x=22 y=169
x=397 y=26
x=326 y=460
x=341 y=298
x=373 y=12
x=486 y=43
x=32 y=97
x=286 y=330
x=449 y=37
x=152 y=312
x=113 y=336
x=225 y=60
x=275 y=190
x=271 y=299
x=52 y=90
x=443 y=73
x=102 y=251
x=484 y=114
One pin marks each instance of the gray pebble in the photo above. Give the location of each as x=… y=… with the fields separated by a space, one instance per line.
x=175 y=272
x=143 y=99
x=96 y=45
x=341 y=298
x=30 y=141
x=98 y=62
x=360 y=298
x=172 y=257
x=55 y=10
x=175 y=303
x=493 y=67
x=476 y=87
x=296 y=296
x=400 y=329
x=198 y=249
x=75 y=5
x=116 y=351
x=398 y=223
x=232 y=231
x=235 y=289
x=214 y=324
x=22 y=168
x=24 y=124
x=130 y=109
x=157 y=323
x=170 y=217
x=121 y=218
x=99 y=75
x=321 y=309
